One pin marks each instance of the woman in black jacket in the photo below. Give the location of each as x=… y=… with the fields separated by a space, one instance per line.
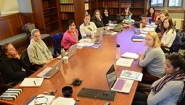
x=13 y=68
x=107 y=17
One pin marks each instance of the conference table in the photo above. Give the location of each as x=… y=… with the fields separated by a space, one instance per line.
x=89 y=65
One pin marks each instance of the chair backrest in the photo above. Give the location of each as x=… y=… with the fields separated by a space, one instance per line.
x=79 y=34
x=25 y=58
x=176 y=43
x=31 y=27
x=57 y=40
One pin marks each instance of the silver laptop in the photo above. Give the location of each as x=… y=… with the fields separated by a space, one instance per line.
x=118 y=84
x=97 y=41
x=72 y=51
x=99 y=30
x=48 y=72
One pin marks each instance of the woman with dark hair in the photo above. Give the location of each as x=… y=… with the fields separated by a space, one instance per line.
x=97 y=19
x=127 y=13
x=168 y=89
x=107 y=17
x=151 y=13
x=13 y=68
x=169 y=35
x=70 y=36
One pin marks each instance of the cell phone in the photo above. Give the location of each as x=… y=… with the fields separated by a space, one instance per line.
x=106 y=103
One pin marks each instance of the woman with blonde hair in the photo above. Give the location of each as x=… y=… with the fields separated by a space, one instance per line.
x=97 y=19
x=153 y=58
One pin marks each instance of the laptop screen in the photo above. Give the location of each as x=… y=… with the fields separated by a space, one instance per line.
x=111 y=76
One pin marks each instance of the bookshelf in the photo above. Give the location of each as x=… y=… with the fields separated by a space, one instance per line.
x=184 y=22
x=46 y=15
x=137 y=7
x=73 y=9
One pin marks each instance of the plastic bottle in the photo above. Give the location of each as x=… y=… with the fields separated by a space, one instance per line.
x=140 y=25
x=62 y=53
x=117 y=51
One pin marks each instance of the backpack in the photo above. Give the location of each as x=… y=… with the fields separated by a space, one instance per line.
x=118 y=28
x=181 y=35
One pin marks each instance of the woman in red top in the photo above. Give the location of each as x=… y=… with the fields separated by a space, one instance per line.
x=70 y=36
x=151 y=13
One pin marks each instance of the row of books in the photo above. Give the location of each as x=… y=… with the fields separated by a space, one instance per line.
x=67 y=8
x=66 y=1
x=108 y=4
x=64 y=16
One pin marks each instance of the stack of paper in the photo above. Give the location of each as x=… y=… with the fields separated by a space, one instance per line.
x=128 y=74
x=32 y=82
x=136 y=38
x=124 y=62
x=130 y=55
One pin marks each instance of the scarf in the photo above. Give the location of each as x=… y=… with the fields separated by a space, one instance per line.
x=41 y=50
x=177 y=76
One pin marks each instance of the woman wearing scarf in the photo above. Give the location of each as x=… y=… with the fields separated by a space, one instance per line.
x=38 y=52
x=168 y=89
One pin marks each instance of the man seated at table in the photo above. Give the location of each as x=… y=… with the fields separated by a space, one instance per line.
x=38 y=52
x=87 y=28
x=13 y=68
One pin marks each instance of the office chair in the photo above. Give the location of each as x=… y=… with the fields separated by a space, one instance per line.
x=79 y=34
x=57 y=38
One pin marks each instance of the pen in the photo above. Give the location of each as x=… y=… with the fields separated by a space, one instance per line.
x=34 y=82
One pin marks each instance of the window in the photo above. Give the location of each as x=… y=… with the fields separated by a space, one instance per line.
x=156 y=3
x=175 y=3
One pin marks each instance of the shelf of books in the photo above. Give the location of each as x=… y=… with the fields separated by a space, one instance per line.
x=71 y=7
x=137 y=7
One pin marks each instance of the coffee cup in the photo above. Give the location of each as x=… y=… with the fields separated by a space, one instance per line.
x=65 y=58
x=67 y=91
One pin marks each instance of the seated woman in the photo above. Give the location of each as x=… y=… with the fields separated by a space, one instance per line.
x=13 y=68
x=168 y=89
x=153 y=59
x=151 y=13
x=107 y=17
x=70 y=36
x=38 y=52
x=127 y=13
x=159 y=22
x=169 y=35
x=97 y=19
x=87 y=28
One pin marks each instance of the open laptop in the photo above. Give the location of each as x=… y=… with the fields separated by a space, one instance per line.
x=98 y=31
x=48 y=72
x=118 y=84
x=72 y=51
x=98 y=40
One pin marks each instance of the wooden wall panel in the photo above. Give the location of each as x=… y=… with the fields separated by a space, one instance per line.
x=4 y=29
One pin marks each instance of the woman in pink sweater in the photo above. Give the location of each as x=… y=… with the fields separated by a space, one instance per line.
x=70 y=36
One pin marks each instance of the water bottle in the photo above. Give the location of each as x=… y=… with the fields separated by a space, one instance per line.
x=62 y=53
x=140 y=25
x=117 y=51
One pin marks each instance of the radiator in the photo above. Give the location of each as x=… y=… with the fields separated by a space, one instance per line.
x=179 y=23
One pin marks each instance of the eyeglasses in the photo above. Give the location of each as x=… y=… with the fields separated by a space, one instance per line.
x=41 y=100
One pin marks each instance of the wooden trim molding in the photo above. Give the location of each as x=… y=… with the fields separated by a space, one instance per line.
x=173 y=11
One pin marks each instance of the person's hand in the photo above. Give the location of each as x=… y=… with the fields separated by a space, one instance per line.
x=16 y=56
x=141 y=56
x=23 y=70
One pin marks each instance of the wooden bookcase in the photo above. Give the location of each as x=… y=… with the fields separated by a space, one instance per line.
x=47 y=15
x=74 y=9
x=184 y=22
x=137 y=7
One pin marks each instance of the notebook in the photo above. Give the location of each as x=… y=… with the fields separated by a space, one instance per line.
x=72 y=51
x=31 y=82
x=118 y=84
x=50 y=71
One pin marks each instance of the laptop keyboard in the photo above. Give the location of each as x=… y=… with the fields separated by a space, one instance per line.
x=97 y=94
x=48 y=73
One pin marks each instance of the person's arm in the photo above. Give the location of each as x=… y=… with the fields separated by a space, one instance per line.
x=94 y=27
x=24 y=65
x=70 y=38
x=170 y=38
x=82 y=31
x=168 y=90
x=98 y=23
x=155 y=17
x=9 y=72
x=32 y=57
x=149 y=56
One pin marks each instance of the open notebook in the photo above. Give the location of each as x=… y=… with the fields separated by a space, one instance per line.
x=118 y=84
